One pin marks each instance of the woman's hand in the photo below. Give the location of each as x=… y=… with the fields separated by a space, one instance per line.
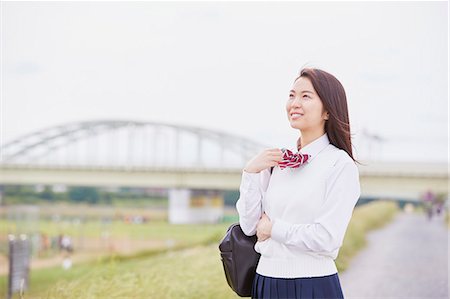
x=265 y=159
x=264 y=228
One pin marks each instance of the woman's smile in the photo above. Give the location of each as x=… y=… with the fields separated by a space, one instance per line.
x=295 y=116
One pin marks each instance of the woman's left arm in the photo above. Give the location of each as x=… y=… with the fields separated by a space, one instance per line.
x=327 y=232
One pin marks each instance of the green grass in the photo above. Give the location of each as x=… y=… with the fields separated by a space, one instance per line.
x=184 y=236
x=123 y=202
x=127 y=274
x=447 y=218
x=158 y=230
x=194 y=272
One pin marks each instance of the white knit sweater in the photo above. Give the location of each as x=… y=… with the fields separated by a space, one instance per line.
x=310 y=208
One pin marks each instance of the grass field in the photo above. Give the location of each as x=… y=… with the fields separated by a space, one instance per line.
x=447 y=218
x=159 y=230
x=193 y=270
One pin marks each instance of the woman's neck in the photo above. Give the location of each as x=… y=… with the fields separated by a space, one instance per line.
x=309 y=136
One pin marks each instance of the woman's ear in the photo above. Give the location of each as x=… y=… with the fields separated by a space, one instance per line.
x=327 y=116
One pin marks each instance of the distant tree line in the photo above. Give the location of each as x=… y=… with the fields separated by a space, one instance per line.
x=17 y=194
x=13 y=194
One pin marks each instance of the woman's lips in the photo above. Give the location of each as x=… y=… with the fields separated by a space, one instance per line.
x=295 y=116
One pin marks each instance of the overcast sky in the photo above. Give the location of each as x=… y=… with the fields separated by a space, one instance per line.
x=229 y=66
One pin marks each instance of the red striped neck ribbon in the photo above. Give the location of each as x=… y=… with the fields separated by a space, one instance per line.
x=293 y=160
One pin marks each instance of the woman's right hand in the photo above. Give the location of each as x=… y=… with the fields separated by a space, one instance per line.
x=265 y=159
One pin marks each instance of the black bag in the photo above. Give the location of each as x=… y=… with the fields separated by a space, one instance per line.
x=239 y=259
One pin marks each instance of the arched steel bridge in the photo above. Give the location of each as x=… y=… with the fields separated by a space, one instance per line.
x=151 y=154
x=129 y=144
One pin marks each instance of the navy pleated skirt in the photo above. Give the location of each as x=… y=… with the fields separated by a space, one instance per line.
x=322 y=287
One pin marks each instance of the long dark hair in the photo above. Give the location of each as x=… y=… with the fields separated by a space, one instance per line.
x=334 y=100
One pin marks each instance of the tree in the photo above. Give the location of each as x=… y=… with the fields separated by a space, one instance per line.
x=47 y=194
x=84 y=194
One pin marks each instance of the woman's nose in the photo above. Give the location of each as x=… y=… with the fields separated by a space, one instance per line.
x=296 y=102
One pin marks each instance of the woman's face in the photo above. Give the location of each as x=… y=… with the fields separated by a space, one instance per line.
x=304 y=107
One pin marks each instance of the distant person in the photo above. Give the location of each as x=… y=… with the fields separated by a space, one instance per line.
x=429 y=210
x=45 y=242
x=300 y=204
x=66 y=244
x=428 y=201
x=60 y=246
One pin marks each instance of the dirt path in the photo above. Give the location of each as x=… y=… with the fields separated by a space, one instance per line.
x=406 y=259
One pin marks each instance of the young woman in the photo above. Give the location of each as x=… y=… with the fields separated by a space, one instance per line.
x=299 y=204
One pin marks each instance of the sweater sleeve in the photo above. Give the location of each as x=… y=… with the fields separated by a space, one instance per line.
x=249 y=205
x=327 y=231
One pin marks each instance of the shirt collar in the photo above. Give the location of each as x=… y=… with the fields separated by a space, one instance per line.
x=314 y=147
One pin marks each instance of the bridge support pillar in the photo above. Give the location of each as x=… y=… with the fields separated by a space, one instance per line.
x=195 y=206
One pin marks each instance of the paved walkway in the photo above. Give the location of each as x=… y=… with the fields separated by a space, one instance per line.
x=408 y=258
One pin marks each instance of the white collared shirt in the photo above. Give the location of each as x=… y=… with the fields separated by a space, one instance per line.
x=310 y=208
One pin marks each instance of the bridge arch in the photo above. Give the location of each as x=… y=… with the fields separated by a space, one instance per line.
x=130 y=143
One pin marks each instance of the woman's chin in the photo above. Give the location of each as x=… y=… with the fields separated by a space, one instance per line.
x=295 y=125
